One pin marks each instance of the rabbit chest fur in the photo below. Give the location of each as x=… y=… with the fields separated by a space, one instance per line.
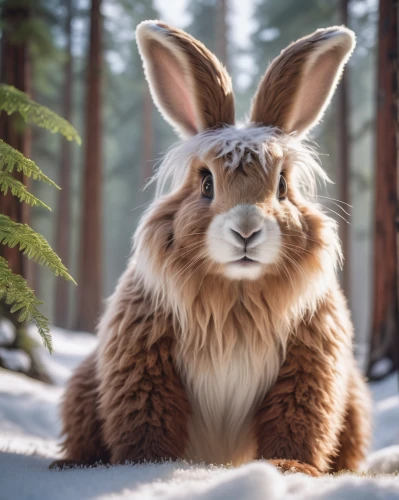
x=224 y=394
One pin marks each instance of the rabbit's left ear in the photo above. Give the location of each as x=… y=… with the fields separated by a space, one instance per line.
x=188 y=84
x=300 y=82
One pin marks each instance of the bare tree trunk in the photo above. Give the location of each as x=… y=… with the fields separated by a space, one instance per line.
x=148 y=136
x=90 y=272
x=14 y=71
x=384 y=338
x=221 y=32
x=344 y=160
x=63 y=222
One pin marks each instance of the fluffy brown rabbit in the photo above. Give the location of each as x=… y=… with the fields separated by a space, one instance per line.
x=228 y=338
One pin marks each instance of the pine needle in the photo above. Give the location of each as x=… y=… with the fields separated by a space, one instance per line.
x=11 y=159
x=15 y=291
x=10 y=183
x=32 y=244
x=15 y=101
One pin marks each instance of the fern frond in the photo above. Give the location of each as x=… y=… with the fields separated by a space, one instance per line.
x=15 y=101
x=10 y=183
x=32 y=244
x=15 y=291
x=11 y=159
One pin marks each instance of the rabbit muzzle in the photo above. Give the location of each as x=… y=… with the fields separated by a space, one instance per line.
x=245 y=240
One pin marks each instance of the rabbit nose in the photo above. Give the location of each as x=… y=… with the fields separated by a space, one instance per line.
x=245 y=237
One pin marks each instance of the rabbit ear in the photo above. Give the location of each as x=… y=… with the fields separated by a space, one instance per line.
x=299 y=83
x=188 y=84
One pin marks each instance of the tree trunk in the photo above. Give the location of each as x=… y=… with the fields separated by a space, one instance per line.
x=221 y=32
x=14 y=71
x=148 y=137
x=384 y=338
x=63 y=221
x=344 y=161
x=90 y=272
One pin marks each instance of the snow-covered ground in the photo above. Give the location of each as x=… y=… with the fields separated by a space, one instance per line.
x=29 y=427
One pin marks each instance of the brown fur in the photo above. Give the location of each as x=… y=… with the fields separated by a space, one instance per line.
x=318 y=397
x=142 y=401
x=176 y=327
x=82 y=424
x=356 y=429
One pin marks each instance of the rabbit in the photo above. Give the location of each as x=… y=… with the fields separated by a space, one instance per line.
x=228 y=338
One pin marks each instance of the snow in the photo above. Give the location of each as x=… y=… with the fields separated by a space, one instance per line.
x=30 y=425
x=15 y=359
x=7 y=332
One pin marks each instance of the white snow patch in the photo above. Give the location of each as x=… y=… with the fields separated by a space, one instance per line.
x=7 y=332
x=30 y=425
x=15 y=359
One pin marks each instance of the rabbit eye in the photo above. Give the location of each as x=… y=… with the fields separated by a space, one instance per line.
x=207 y=186
x=282 y=188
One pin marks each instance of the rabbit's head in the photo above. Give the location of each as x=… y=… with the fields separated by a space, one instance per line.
x=235 y=207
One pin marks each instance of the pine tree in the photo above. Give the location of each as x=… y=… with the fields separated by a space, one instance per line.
x=14 y=290
x=90 y=253
x=209 y=24
x=344 y=174
x=63 y=229
x=222 y=42
x=384 y=342
x=204 y=22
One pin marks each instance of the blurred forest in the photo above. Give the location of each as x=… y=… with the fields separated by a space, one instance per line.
x=82 y=62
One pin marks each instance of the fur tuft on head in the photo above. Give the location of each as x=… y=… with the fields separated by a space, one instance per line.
x=240 y=145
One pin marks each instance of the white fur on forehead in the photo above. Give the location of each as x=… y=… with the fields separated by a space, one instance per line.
x=240 y=145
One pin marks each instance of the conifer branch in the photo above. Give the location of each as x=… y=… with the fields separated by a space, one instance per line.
x=10 y=183
x=15 y=292
x=14 y=289
x=15 y=101
x=11 y=159
x=32 y=244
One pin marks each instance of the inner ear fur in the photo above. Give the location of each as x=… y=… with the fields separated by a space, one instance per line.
x=189 y=85
x=299 y=84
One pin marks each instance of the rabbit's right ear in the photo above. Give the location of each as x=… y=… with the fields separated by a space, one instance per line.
x=188 y=84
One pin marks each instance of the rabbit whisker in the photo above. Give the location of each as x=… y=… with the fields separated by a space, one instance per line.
x=339 y=206
x=334 y=199
x=336 y=213
x=194 y=270
x=296 y=265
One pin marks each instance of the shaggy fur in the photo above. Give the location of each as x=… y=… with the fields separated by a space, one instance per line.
x=81 y=418
x=192 y=363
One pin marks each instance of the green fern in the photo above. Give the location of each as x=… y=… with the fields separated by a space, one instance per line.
x=15 y=101
x=13 y=288
x=15 y=292
x=32 y=244
x=11 y=159
x=10 y=183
